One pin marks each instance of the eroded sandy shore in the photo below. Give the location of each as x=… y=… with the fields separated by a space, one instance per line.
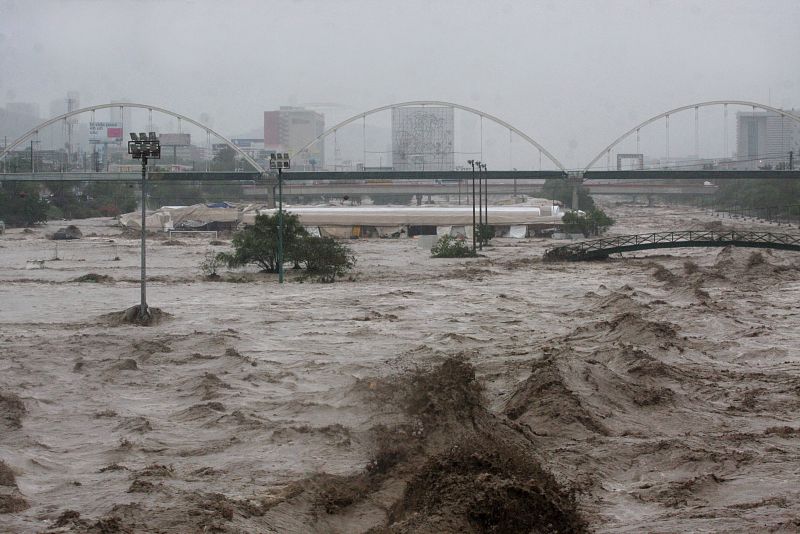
x=656 y=393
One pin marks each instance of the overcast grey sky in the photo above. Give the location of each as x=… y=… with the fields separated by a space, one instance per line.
x=572 y=74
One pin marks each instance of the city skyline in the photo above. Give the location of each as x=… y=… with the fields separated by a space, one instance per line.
x=572 y=75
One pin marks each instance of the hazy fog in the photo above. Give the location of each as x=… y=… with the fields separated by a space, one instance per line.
x=572 y=74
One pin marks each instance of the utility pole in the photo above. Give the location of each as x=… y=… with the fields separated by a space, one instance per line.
x=791 y=160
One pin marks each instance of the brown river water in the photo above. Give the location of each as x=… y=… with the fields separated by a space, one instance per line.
x=656 y=392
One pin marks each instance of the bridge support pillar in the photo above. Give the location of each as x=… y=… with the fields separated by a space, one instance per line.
x=649 y=201
x=575 y=179
x=419 y=199
x=271 y=185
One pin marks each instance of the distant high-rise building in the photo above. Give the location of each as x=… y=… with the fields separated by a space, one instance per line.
x=289 y=129
x=121 y=116
x=765 y=137
x=69 y=135
x=28 y=109
x=422 y=138
x=16 y=119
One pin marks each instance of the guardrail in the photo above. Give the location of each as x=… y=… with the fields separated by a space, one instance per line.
x=601 y=248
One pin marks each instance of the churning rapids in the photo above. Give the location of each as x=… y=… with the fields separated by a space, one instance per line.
x=658 y=392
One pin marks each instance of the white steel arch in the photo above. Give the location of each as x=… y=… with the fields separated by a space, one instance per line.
x=633 y=130
x=208 y=130
x=492 y=118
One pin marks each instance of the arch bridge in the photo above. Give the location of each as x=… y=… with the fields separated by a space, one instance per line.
x=597 y=249
x=122 y=105
x=528 y=139
x=667 y=114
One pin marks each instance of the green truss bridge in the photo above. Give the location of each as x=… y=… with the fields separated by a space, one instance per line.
x=597 y=249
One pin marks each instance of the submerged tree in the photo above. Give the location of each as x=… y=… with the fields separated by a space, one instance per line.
x=561 y=190
x=21 y=204
x=258 y=244
x=593 y=222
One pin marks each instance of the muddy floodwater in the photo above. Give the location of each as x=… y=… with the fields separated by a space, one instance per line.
x=657 y=392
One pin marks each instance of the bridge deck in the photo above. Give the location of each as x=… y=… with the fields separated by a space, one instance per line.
x=601 y=248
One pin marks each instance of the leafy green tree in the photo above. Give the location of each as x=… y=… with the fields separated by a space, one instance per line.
x=593 y=222
x=95 y=199
x=758 y=193
x=258 y=244
x=21 y=204
x=561 y=190
x=224 y=160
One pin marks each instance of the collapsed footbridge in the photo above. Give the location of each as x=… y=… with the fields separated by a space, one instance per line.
x=597 y=249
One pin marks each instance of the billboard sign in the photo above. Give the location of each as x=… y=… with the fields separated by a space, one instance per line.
x=175 y=139
x=105 y=132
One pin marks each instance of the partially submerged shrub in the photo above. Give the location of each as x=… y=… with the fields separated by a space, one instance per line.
x=324 y=256
x=451 y=247
x=211 y=262
x=484 y=233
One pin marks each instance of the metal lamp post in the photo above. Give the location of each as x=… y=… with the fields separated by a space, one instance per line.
x=144 y=147
x=472 y=163
x=480 y=204
x=280 y=161
x=486 y=200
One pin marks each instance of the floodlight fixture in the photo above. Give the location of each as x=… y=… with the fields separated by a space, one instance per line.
x=142 y=136
x=153 y=136
x=279 y=160
x=133 y=137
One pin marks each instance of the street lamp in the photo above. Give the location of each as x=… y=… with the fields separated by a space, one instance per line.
x=143 y=147
x=486 y=192
x=280 y=161
x=480 y=204
x=472 y=163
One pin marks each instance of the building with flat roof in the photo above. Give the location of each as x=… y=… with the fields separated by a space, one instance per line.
x=289 y=129
x=765 y=138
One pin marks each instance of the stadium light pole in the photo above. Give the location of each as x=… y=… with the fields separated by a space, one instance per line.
x=472 y=162
x=280 y=161
x=144 y=147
